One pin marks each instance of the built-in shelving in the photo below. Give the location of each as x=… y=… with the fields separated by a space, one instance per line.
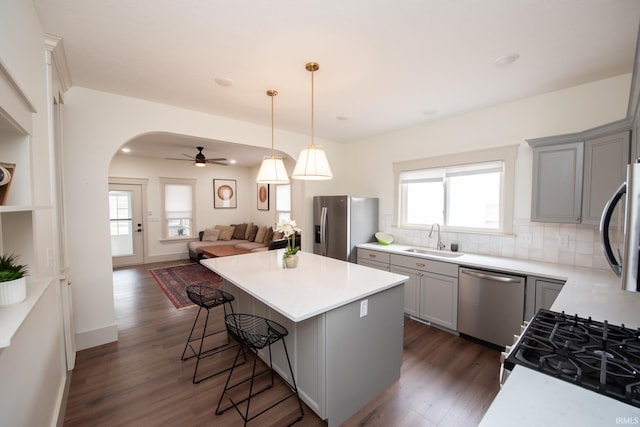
x=18 y=214
x=11 y=317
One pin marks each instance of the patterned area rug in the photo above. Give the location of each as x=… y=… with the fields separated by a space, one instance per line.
x=174 y=280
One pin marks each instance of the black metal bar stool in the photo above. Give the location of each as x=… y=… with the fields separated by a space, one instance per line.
x=206 y=297
x=256 y=333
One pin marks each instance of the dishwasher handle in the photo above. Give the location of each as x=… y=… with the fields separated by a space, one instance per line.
x=489 y=276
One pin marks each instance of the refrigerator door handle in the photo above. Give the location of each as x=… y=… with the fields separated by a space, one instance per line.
x=323 y=230
x=607 y=213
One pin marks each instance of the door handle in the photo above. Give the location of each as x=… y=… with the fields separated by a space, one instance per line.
x=489 y=276
x=604 y=229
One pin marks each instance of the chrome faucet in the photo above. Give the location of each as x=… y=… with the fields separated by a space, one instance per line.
x=440 y=245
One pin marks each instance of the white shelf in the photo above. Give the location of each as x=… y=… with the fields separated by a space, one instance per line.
x=11 y=317
x=23 y=208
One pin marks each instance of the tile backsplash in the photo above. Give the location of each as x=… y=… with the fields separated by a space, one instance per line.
x=569 y=244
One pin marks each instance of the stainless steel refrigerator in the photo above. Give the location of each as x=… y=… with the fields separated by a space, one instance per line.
x=620 y=230
x=342 y=222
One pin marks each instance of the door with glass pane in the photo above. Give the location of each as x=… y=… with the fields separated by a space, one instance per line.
x=125 y=219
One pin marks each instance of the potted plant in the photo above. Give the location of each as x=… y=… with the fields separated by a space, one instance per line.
x=13 y=285
x=289 y=228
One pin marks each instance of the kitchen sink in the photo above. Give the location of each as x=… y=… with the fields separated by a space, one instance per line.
x=435 y=252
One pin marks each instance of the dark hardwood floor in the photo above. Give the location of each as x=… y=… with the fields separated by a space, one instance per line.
x=141 y=381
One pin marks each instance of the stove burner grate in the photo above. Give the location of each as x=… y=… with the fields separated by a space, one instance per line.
x=595 y=355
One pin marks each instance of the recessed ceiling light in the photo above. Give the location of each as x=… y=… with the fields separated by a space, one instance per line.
x=233 y=161
x=224 y=81
x=126 y=150
x=342 y=118
x=506 y=59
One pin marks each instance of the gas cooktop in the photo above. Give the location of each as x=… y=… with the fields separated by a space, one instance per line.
x=595 y=355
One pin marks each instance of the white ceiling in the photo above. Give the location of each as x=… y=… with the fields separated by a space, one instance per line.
x=383 y=63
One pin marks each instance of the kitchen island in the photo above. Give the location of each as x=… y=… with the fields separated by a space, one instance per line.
x=345 y=324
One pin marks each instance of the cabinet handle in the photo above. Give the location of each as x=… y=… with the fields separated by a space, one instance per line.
x=372 y=255
x=419 y=264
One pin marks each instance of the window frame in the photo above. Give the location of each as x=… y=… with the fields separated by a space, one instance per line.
x=505 y=154
x=279 y=211
x=164 y=220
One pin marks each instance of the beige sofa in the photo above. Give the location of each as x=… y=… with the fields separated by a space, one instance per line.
x=246 y=236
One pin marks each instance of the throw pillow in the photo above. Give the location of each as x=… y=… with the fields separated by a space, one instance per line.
x=260 y=234
x=226 y=232
x=248 y=232
x=252 y=233
x=277 y=235
x=211 y=235
x=240 y=231
x=268 y=236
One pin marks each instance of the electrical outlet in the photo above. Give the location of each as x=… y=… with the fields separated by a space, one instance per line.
x=364 y=307
x=563 y=240
x=525 y=238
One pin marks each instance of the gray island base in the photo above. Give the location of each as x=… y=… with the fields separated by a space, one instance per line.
x=345 y=324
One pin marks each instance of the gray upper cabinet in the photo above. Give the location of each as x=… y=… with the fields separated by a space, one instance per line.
x=574 y=175
x=605 y=165
x=557 y=183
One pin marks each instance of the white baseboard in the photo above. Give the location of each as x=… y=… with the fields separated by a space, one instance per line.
x=96 y=337
x=166 y=258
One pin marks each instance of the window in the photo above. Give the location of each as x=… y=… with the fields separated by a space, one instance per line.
x=120 y=213
x=283 y=202
x=460 y=196
x=178 y=202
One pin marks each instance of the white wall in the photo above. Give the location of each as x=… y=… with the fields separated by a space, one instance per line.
x=33 y=368
x=96 y=125
x=566 y=111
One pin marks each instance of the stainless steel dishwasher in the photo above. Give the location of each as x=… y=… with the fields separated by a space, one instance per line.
x=490 y=305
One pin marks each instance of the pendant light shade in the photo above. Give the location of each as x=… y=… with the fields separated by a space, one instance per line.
x=272 y=170
x=312 y=162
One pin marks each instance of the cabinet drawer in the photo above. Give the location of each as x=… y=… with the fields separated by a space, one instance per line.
x=423 y=264
x=370 y=255
x=374 y=264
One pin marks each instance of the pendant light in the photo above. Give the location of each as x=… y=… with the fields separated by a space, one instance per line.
x=272 y=170
x=312 y=163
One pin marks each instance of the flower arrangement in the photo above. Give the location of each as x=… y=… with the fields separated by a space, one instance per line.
x=289 y=229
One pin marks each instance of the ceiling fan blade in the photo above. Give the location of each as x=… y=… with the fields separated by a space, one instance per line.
x=188 y=156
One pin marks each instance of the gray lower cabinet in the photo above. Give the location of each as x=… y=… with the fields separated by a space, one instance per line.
x=431 y=293
x=373 y=259
x=546 y=292
x=540 y=292
x=411 y=289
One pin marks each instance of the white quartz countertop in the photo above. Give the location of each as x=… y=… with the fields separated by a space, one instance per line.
x=587 y=291
x=530 y=398
x=319 y=284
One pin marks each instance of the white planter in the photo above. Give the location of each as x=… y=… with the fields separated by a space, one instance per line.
x=291 y=261
x=13 y=291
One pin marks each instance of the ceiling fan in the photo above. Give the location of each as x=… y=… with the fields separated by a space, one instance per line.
x=200 y=159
